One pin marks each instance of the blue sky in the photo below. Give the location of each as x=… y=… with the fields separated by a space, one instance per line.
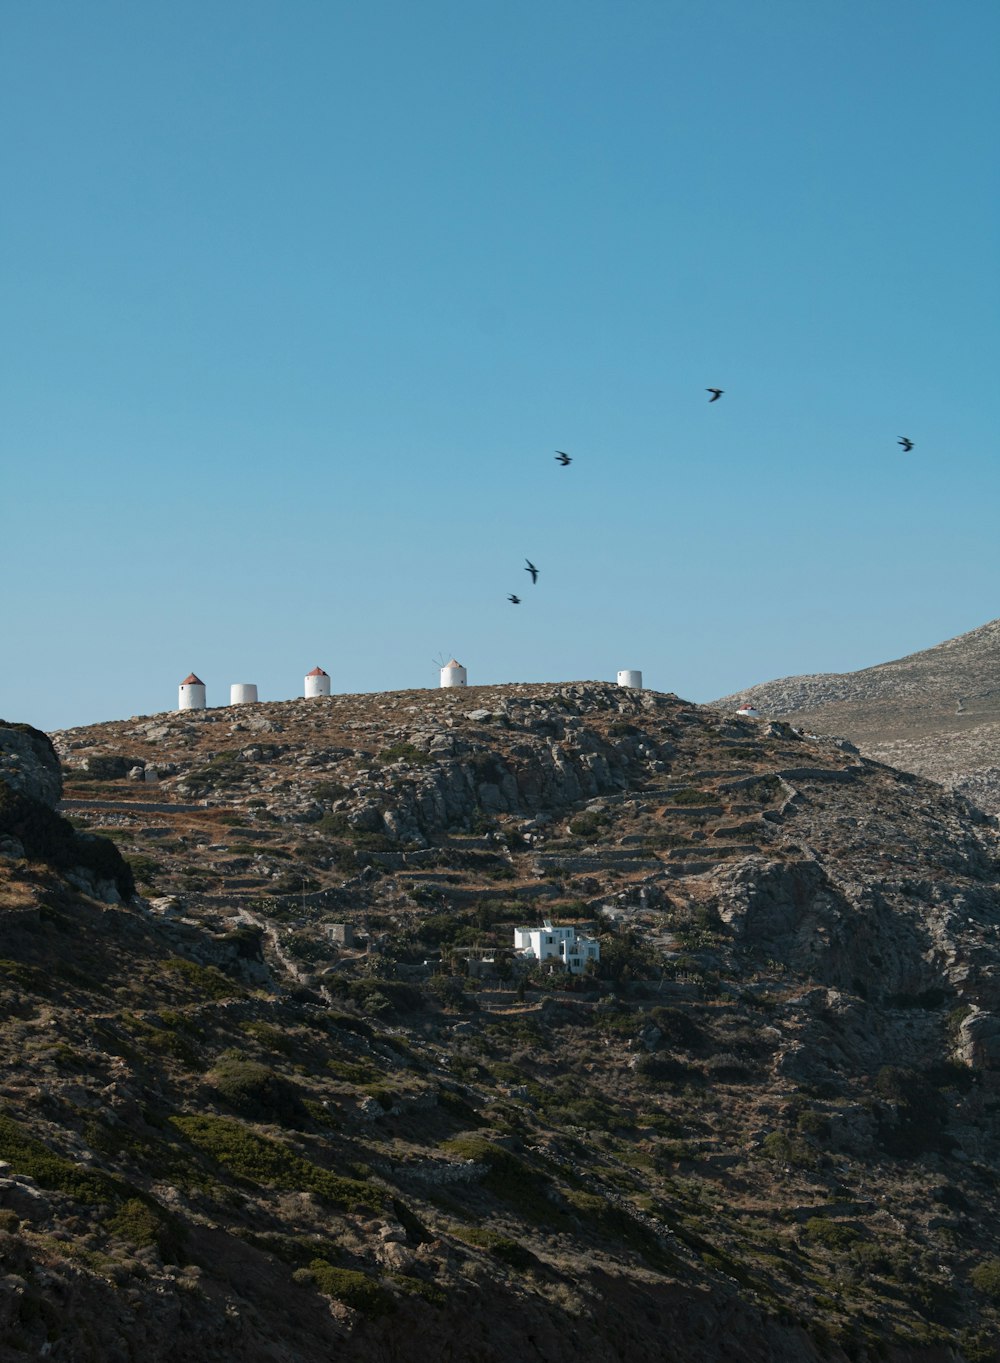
x=299 y=300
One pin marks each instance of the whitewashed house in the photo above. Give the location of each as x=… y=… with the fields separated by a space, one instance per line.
x=566 y=946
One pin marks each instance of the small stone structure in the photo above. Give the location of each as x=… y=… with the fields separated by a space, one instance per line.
x=630 y=677
x=243 y=693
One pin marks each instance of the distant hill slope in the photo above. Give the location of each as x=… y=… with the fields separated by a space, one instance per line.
x=936 y=713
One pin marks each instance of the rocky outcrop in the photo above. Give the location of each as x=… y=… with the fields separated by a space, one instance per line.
x=29 y=763
x=30 y=787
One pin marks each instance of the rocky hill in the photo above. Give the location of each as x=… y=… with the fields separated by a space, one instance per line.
x=936 y=712
x=298 y=1100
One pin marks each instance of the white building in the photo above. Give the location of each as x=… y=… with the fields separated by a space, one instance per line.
x=317 y=683
x=630 y=677
x=748 y=712
x=454 y=674
x=191 y=693
x=243 y=693
x=570 y=948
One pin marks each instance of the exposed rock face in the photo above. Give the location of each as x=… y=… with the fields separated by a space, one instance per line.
x=30 y=787
x=936 y=712
x=29 y=764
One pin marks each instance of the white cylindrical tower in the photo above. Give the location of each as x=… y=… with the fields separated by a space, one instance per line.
x=191 y=693
x=748 y=712
x=630 y=677
x=317 y=683
x=454 y=674
x=242 y=693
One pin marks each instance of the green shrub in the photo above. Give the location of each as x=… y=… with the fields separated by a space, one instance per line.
x=354 y=1071
x=273 y=1038
x=507 y=1176
x=438 y=928
x=205 y=978
x=376 y=995
x=404 y=752
x=372 y=842
x=174 y=1037
x=142 y=1223
x=354 y=1289
x=502 y=1247
x=305 y=947
x=417 y=1287
x=678 y=1027
x=145 y=869
x=812 y=1123
x=333 y=826
x=985 y=1278
x=256 y=1091
x=726 y=1066
x=615 y=1223
x=27 y=1155
x=763 y=790
x=450 y=992
x=833 y=1235
x=348 y=1022
x=257 y=1159
x=687 y=795
x=261 y=1160
x=785 y=1150
x=587 y=825
x=220 y=772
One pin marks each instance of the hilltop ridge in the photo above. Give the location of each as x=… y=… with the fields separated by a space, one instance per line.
x=299 y=1098
x=935 y=712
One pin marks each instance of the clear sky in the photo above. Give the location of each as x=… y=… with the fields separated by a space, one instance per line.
x=298 y=301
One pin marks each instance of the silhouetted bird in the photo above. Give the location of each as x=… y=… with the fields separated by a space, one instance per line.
x=531 y=569
x=906 y=443
x=716 y=393
x=514 y=600
x=562 y=458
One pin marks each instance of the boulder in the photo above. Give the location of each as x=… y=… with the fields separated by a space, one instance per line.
x=28 y=763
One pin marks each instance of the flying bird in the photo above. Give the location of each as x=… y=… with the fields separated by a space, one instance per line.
x=906 y=443
x=514 y=600
x=563 y=458
x=532 y=570
x=716 y=393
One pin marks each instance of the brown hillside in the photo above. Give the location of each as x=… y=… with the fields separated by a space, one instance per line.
x=766 y=1129
x=936 y=712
